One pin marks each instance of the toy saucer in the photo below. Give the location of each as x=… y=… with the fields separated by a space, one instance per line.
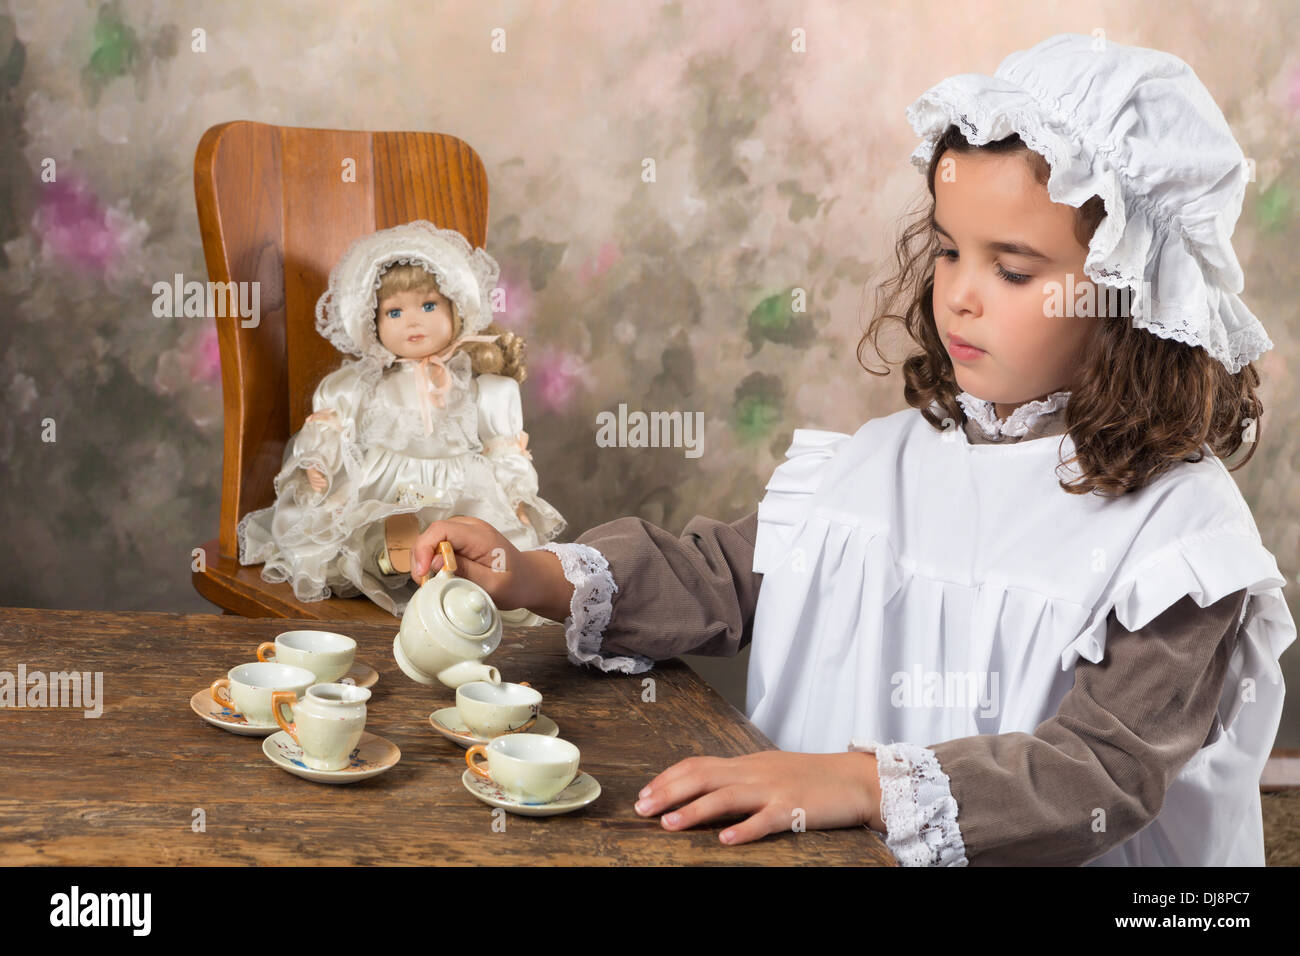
x=522 y=617
x=372 y=755
x=448 y=723
x=361 y=676
x=227 y=719
x=580 y=792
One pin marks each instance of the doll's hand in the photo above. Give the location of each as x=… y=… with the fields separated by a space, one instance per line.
x=317 y=479
x=483 y=555
x=523 y=515
x=833 y=790
x=326 y=415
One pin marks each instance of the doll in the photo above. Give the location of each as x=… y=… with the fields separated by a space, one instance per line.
x=424 y=423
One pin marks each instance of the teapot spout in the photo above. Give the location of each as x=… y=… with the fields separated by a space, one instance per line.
x=466 y=671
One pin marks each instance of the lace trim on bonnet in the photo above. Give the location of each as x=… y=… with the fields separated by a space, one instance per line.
x=345 y=312
x=1137 y=128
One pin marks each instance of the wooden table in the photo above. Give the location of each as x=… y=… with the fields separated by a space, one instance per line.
x=123 y=788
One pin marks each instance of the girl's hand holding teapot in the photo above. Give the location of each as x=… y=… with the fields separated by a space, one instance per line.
x=512 y=578
x=483 y=555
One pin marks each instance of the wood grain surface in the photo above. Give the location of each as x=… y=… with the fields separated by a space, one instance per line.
x=122 y=788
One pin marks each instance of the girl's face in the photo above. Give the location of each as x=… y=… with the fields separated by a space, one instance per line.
x=415 y=324
x=1002 y=240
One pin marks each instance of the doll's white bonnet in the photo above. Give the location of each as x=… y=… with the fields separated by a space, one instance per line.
x=345 y=312
x=1137 y=128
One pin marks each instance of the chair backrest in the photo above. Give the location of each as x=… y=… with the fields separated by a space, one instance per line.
x=278 y=206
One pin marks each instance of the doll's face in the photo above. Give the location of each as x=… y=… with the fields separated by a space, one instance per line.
x=997 y=299
x=415 y=324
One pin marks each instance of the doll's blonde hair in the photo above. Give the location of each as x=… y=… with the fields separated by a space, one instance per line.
x=505 y=356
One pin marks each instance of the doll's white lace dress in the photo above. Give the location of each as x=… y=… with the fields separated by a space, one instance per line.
x=382 y=455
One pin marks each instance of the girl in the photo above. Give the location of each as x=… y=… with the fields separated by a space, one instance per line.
x=1028 y=619
x=411 y=431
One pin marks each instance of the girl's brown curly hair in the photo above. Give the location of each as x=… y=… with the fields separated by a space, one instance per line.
x=1141 y=403
x=505 y=356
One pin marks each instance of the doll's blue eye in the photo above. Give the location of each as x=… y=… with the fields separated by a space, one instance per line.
x=430 y=306
x=393 y=313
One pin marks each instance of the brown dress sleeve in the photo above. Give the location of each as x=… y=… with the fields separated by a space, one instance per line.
x=1118 y=739
x=688 y=594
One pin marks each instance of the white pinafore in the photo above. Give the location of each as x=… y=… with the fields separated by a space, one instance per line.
x=918 y=588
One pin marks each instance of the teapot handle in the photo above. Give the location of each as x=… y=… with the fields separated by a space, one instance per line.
x=448 y=555
x=448 y=559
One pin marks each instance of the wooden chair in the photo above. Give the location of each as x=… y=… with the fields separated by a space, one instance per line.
x=279 y=206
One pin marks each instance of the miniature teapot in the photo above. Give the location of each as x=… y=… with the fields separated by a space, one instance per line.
x=449 y=626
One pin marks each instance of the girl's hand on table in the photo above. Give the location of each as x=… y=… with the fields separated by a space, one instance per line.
x=833 y=790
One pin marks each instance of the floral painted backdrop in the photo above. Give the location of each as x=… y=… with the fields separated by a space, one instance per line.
x=779 y=150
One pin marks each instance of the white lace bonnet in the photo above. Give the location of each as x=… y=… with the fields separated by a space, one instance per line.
x=1137 y=128
x=345 y=312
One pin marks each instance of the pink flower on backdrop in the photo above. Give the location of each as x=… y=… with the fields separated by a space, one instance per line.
x=72 y=224
x=205 y=360
x=1293 y=90
x=600 y=263
x=519 y=303
x=554 y=377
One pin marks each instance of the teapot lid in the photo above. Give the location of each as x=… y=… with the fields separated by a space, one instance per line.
x=468 y=608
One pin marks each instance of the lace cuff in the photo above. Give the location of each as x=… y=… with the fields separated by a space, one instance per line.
x=590 y=609
x=917 y=806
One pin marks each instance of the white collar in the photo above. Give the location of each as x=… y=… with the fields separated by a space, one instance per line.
x=1017 y=424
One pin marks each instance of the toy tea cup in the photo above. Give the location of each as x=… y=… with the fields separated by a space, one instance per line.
x=449 y=626
x=248 y=687
x=327 y=655
x=490 y=710
x=327 y=722
x=531 y=768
